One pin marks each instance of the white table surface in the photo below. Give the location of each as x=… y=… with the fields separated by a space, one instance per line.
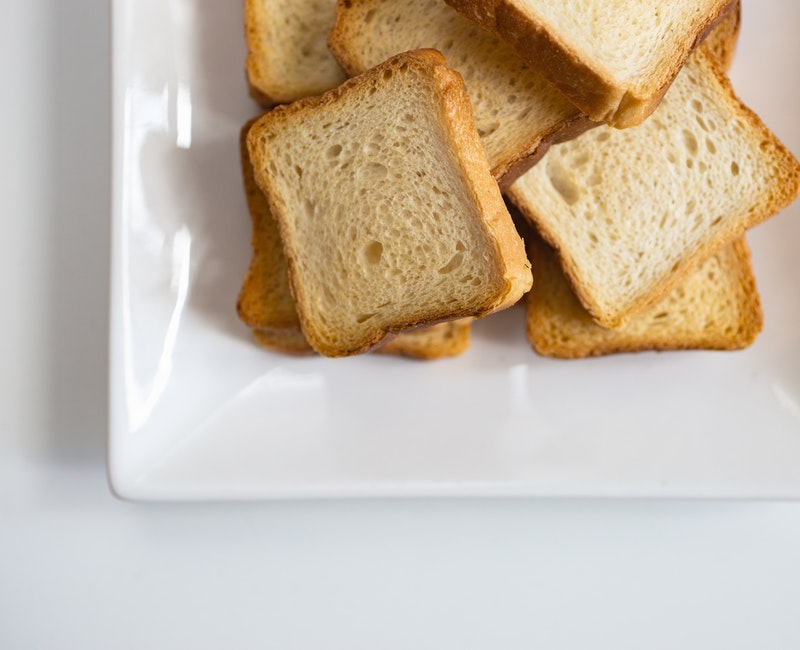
x=81 y=569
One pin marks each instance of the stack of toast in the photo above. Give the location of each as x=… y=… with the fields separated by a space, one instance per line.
x=406 y=147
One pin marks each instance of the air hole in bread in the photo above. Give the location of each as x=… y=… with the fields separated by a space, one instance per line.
x=373 y=252
x=363 y=318
x=299 y=171
x=712 y=148
x=602 y=136
x=372 y=172
x=690 y=142
x=690 y=207
x=387 y=74
x=562 y=182
x=581 y=160
x=487 y=129
x=334 y=151
x=369 y=16
x=735 y=168
x=702 y=123
x=453 y=264
x=690 y=163
x=697 y=105
x=716 y=221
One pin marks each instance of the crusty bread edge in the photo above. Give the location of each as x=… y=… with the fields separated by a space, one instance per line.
x=257 y=86
x=253 y=195
x=509 y=248
x=587 y=86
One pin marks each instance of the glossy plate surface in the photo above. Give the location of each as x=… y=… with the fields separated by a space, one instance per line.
x=199 y=412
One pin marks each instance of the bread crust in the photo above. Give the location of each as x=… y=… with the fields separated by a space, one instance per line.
x=586 y=83
x=265 y=300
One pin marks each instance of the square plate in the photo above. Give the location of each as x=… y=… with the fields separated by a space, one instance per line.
x=198 y=411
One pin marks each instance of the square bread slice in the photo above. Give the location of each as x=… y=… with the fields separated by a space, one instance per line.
x=287 y=53
x=631 y=211
x=266 y=304
x=518 y=113
x=388 y=213
x=716 y=307
x=614 y=60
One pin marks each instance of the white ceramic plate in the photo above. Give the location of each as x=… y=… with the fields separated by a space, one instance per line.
x=199 y=412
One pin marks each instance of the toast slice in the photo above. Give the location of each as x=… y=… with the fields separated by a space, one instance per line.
x=287 y=55
x=266 y=304
x=631 y=212
x=518 y=113
x=614 y=60
x=717 y=307
x=388 y=214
